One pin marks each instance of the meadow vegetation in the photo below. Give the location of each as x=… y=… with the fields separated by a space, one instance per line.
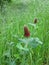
x=17 y=48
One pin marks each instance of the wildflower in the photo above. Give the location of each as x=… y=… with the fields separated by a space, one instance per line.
x=26 y=31
x=35 y=20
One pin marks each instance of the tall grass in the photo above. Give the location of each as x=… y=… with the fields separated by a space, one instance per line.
x=13 y=17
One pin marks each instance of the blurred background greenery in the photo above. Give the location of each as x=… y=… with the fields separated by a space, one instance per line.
x=14 y=14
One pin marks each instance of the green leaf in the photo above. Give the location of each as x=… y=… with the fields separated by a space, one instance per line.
x=19 y=46
x=32 y=42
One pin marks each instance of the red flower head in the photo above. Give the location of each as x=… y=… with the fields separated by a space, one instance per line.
x=35 y=20
x=26 y=31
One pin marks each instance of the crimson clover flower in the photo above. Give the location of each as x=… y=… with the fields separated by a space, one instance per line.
x=35 y=20
x=26 y=31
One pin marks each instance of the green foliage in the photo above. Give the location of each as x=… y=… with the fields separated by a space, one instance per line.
x=3 y=1
x=15 y=49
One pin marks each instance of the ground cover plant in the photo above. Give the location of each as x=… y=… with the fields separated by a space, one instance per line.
x=24 y=32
